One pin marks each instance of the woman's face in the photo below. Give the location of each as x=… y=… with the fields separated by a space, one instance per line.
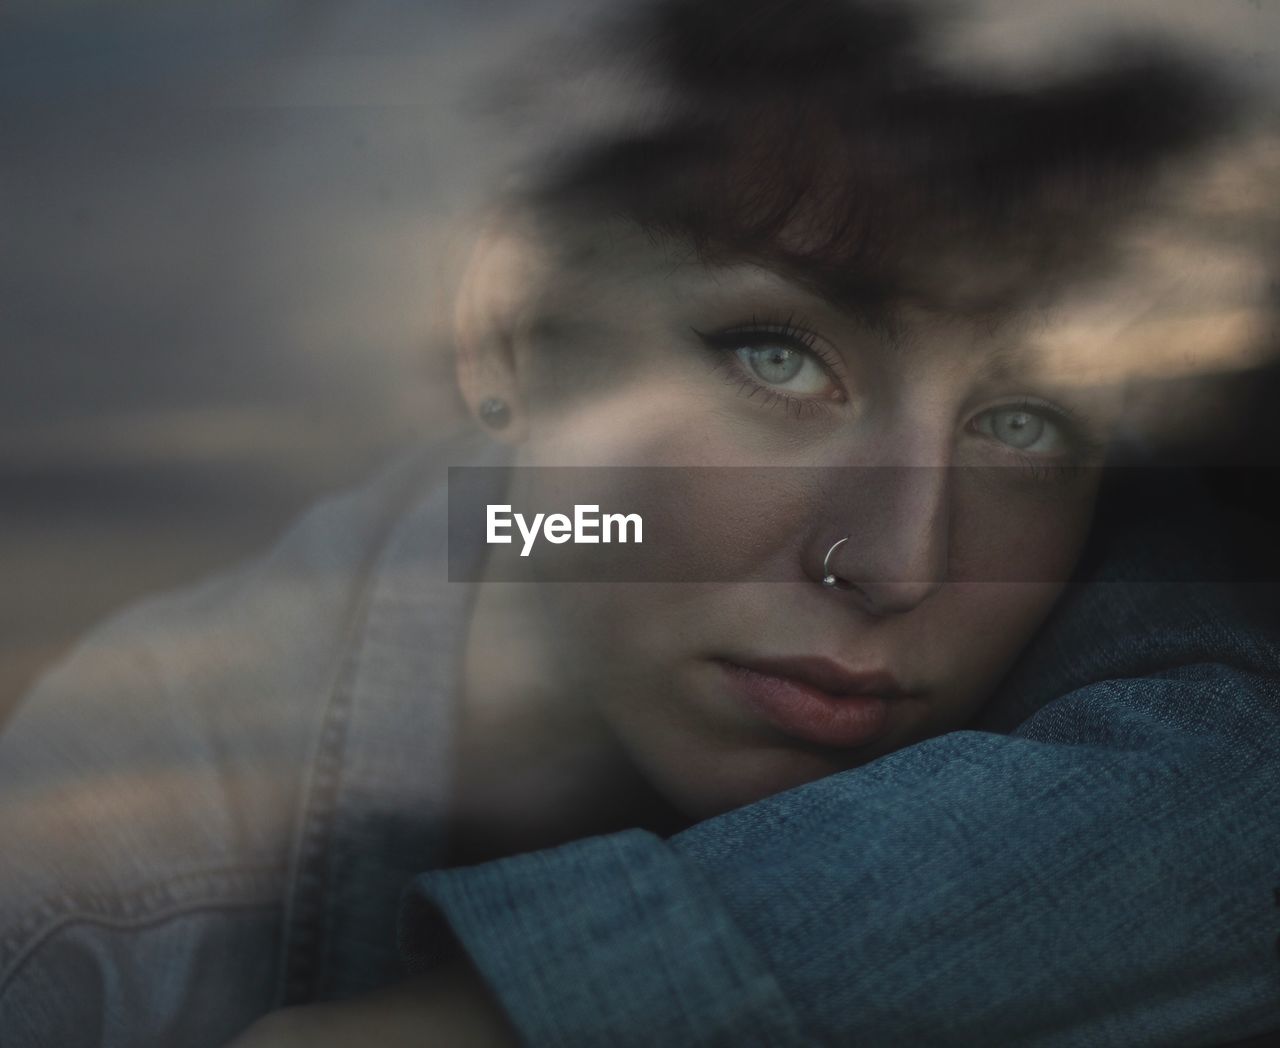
x=957 y=466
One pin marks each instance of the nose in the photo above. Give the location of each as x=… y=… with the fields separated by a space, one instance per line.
x=897 y=519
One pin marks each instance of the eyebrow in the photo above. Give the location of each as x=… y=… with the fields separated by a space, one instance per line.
x=876 y=304
x=867 y=301
x=1006 y=362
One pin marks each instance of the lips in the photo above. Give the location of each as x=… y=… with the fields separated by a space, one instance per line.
x=815 y=699
x=828 y=676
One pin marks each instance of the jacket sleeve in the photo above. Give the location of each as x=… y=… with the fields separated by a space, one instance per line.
x=1105 y=871
x=152 y=786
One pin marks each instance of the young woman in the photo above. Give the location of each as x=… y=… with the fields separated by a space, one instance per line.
x=852 y=340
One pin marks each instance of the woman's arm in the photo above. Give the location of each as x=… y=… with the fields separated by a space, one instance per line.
x=1099 y=869
x=1108 y=875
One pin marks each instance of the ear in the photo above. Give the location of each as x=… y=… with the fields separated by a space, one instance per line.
x=491 y=315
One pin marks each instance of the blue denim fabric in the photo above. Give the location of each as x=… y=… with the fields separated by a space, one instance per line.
x=212 y=807
x=1095 y=863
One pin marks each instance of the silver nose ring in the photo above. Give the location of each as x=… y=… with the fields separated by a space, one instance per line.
x=829 y=578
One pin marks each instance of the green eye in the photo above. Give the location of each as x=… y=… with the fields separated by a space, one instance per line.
x=776 y=364
x=788 y=369
x=782 y=362
x=1017 y=428
x=1024 y=429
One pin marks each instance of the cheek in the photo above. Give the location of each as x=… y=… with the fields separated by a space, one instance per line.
x=1011 y=555
x=618 y=649
x=656 y=424
x=992 y=621
x=701 y=522
x=729 y=524
x=1006 y=530
x=969 y=641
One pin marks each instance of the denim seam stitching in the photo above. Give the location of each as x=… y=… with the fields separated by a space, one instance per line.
x=303 y=913
x=147 y=904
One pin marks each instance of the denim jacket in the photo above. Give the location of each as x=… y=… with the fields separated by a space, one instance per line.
x=213 y=806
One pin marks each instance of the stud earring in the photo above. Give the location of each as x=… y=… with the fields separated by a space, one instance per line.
x=494 y=412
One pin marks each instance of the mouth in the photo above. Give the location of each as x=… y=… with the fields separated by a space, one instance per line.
x=815 y=700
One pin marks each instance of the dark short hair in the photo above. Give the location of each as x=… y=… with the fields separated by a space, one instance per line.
x=815 y=135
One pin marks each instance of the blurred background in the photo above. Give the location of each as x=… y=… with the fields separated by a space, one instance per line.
x=222 y=229
x=226 y=233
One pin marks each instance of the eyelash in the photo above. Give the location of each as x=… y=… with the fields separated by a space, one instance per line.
x=1047 y=472
x=1073 y=426
x=786 y=332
